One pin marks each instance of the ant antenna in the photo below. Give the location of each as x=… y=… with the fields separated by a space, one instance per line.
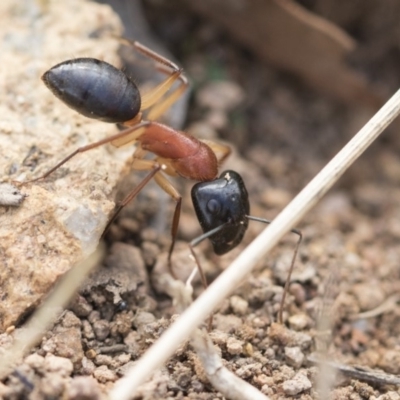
x=296 y=250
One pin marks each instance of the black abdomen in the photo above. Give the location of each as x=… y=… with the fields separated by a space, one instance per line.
x=95 y=89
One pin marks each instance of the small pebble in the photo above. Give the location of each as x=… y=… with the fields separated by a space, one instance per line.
x=84 y=388
x=298 y=292
x=299 y=322
x=101 y=329
x=390 y=361
x=103 y=359
x=298 y=384
x=389 y=396
x=149 y=252
x=91 y=353
x=226 y=323
x=369 y=295
x=80 y=306
x=234 y=346
x=283 y=336
x=294 y=356
x=122 y=324
x=35 y=361
x=103 y=374
x=88 y=366
x=52 y=386
x=87 y=330
x=70 y=320
x=94 y=316
x=63 y=366
x=10 y=195
x=143 y=318
x=239 y=305
x=67 y=344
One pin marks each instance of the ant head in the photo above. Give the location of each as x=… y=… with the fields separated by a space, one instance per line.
x=222 y=203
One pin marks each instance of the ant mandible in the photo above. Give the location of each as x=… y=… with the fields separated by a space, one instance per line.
x=98 y=90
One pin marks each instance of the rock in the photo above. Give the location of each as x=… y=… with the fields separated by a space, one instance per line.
x=226 y=323
x=103 y=374
x=60 y=365
x=88 y=366
x=143 y=319
x=101 y=329
x=234 y=346
x=369 y=295
x=299 y=322
x=80 y=306
x=66 y=343
x=10 y=195
x=35 y=361
x=280 y=334
x=84 y=388
x=389 y=396
x=239 y=305
x=62 y=218
x=298 y=384
x=390 y=361
x=294 y=356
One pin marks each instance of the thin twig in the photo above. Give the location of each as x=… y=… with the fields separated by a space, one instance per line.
x=225 y=381
x=159 y=353
x=375 y=377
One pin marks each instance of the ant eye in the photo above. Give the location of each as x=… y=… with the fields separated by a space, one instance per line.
x=213 y=206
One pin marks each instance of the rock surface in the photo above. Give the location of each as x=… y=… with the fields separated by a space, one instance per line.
x=62 y=217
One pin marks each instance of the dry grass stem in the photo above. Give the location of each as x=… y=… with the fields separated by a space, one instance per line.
x=371 y=376
x=223 y=380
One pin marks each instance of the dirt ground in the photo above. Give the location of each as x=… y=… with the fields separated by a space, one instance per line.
x=344 y=291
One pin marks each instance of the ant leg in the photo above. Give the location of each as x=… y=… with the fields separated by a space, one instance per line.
x=155 y=94
x=221 y=151
x=296 y=250
x=141 y=48
x=161 y=107
x=144 y=164
x=286 y=288
x=196 y=242
x=173 y=73
x=135 y=131
x=166 y=185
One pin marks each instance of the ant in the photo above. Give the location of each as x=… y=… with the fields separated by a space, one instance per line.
x=98 y=90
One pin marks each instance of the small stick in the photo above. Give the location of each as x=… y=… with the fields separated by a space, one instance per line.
x=372 y=376
x=225 y=381
x=184 y=326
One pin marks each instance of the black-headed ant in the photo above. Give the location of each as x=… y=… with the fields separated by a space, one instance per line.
x=98 y=90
